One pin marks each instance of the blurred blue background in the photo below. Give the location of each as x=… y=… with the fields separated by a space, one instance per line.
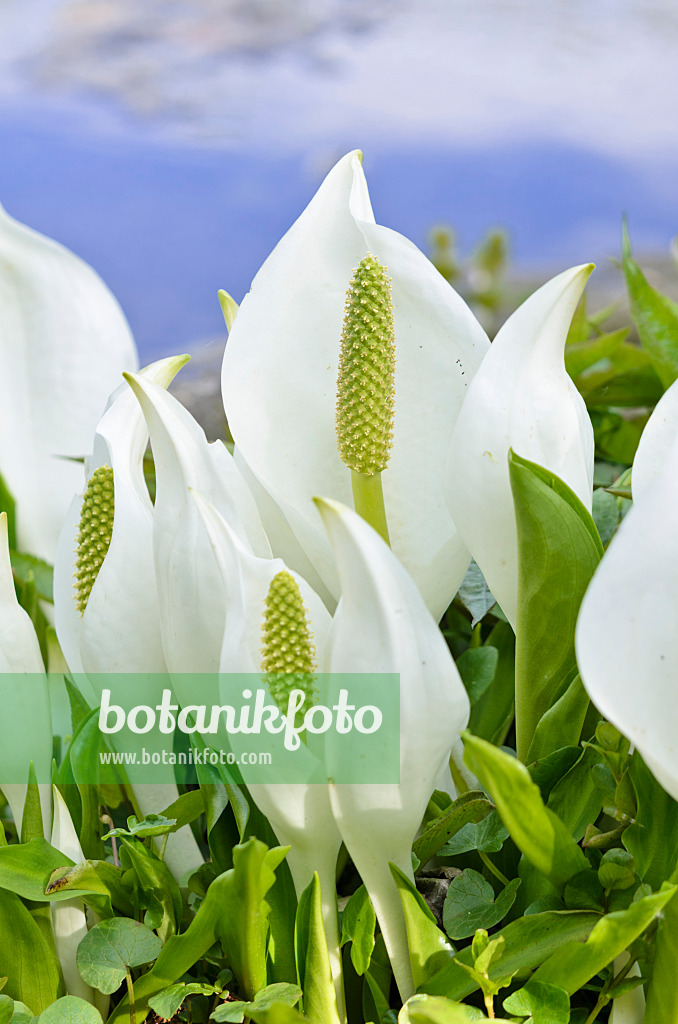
x=171 y=144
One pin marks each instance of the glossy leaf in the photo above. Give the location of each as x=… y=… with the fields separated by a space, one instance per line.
x=535 y=830
x=313 y=962
x=559 y=549
x=428 y=945
x=70 y=1010
x=358 y=922
x=112 y=946
x=468 y=808
x=471 y=904
x=27 y=958
x=528 y=942
x=544 y=1004
x=576 y=963
x=655 y=317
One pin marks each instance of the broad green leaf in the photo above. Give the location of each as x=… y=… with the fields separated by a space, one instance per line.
x=313 y=962
x=80 y=709
x=273 y=998
x=550 y=769
x=617 y=870
x=572 y=966
x=26 y=869
x=112 y=946
x=528 y=941
x=6 y=1007
x=159 y=893
x=581 y=355
x=151 y=825
x=492 y=714
x=279 y=1013
x=652 y=837
x=584 y=892
x=477 y=667
x=358 y=922
x=487 y=836
x=468 y=808
x=576 y=800
x=655 y=317
x=562 y=724
x=429 y=948
x=544 y=1004
x=423 y=1009
x=181 y=952
x=535 y=830
x=559 y=549
x=98 y=883
x=626 y=389
x=186 y=808
x=168 y=1002
x=70 y=1010
x=470 y=904
x=27 y=959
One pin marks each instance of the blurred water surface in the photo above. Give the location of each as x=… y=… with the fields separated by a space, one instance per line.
x=171 y=143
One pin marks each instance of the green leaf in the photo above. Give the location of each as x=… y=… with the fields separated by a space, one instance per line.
x=584 y=892
x=535 y=830
x=652 y=837
x=358 y=922
x=655 y=317
x=606 y=514
x=528 y=942
x=313 y=962
x=275 y=998
x=158 y=891
x=423 y=1009
x=26 y=869
x=559 y=549
x=27 y=958
x=468 y=808
x=110 y=947
x=31 y=824
x=98 y=883
x=562 y=724
x=492 y=714
x=186 y=808
x=429 y=948
x=662 y=992
x=151 y=825
x=26 y=567
x=70 y=1010
x=544 y=1004
x=576 y=800
x=168 y=1002
x=574 y=964
x=470 y=904
x=477 y=667
x=617 y=870
x=487 y=836
x=582 y=355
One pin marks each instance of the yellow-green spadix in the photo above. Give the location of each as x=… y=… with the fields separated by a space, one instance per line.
x=280 y=381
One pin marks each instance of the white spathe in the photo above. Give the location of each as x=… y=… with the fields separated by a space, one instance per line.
x=626 y=639
x=64 y=342
x=520 y=398
x=279 y=382
x=383 y=626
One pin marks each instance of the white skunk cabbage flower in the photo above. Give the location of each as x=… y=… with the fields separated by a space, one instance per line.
x=64 y=342
x=520 y=398
x=27 y=708
x=626 y=640
x=362 y=413
x=266 y=604
x=107 y=607
x=382 y=625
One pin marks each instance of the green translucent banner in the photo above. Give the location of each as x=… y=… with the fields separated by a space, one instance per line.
x=156 y=728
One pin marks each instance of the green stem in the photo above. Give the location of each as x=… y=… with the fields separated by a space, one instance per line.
x=130 y=993
x=493 y=868
x=368 y=499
